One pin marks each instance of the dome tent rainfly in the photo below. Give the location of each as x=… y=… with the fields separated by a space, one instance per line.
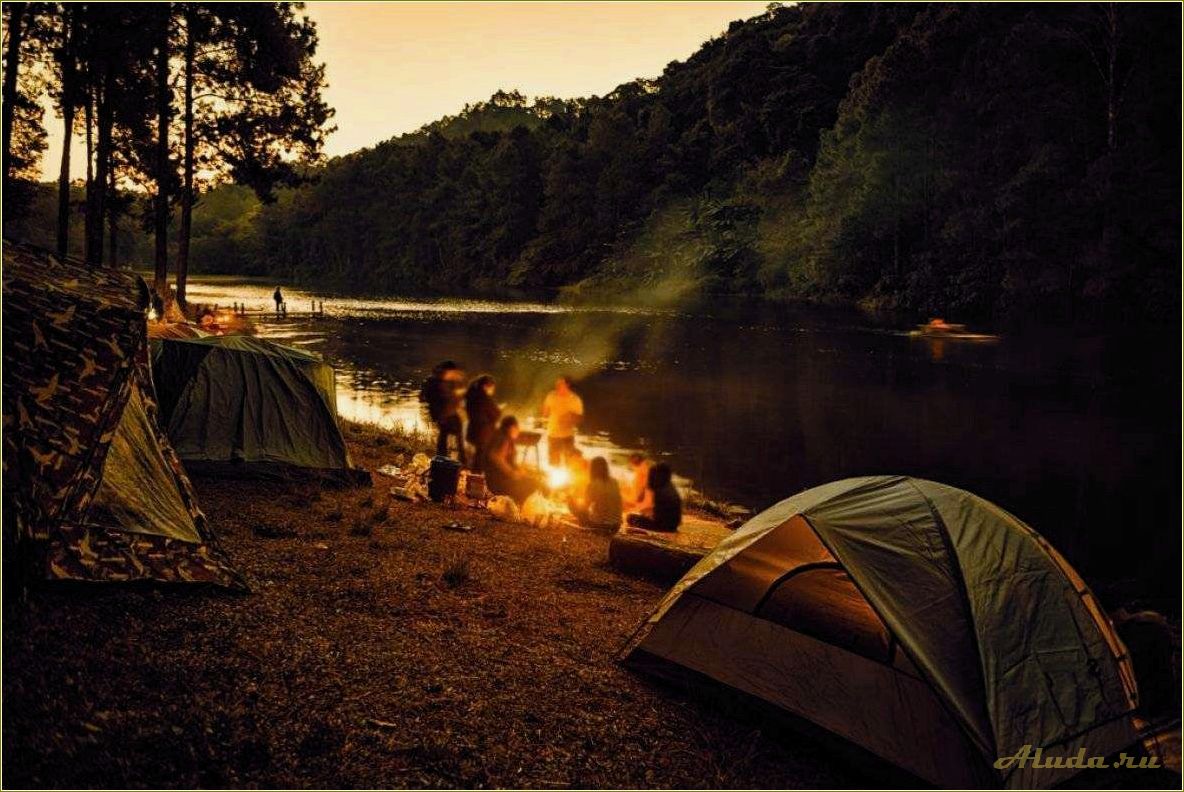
x=92 y=489
x=175 y=330
x=250 y=406
x=917 y=620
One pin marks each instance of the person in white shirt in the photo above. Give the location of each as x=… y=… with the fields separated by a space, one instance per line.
x=564 y=410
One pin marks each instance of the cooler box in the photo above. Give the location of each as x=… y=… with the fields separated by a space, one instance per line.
x=443 y=478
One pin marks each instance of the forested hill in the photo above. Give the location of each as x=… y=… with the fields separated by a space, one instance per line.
x=968 y=160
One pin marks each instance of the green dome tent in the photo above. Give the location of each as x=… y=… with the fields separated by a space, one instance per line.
x=251 y=406
x=92 y=489
x=916 y=620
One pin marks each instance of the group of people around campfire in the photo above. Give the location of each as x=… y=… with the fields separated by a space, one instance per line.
x=650 y=499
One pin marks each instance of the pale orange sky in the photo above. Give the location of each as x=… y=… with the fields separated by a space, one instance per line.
x=395 y=66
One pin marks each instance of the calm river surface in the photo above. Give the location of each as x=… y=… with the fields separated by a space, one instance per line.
x=1078 y=436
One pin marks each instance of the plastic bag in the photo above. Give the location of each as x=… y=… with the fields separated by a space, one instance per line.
x=502 y=507
x=409 y=489
x=536 y=511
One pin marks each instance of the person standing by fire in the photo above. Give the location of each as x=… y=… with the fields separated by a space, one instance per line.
x=441 y=393
x=564 y=410
x=483 y=413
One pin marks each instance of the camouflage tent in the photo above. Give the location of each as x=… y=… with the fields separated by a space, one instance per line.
x=92 y=489
x=248 y=406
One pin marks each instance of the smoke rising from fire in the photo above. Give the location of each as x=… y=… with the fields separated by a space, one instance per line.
x=590 y=338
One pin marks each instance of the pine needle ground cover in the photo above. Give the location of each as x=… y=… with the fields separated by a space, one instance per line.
x=376 y=649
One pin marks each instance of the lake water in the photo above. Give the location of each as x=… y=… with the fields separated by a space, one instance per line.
x=1078 y=436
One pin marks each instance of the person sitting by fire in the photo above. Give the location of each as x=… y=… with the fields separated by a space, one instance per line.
x=600 y=506
x=665 y=510
x=441 y=393
x=483 y=413
x=637 y=490
x=503 y=476
x=564 y=410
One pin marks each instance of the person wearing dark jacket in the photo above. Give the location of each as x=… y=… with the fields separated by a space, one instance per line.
x=483 y=414
x=442 y=394
x=502 y=474
x=665 y=513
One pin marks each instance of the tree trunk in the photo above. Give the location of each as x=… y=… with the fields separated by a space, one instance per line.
x=106 y=122
x=97 y=209
x=896 y=179
x=187 y=187
x=163 y=110
x=64 y=184
x=68 y=96
x=1112 y=38
x=16 y=33
x=90 y=141
x=88 y=232
x=112 y=220
x=1111 y=87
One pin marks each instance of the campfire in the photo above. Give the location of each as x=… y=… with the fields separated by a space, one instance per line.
x=557 y=477
x=548 y=506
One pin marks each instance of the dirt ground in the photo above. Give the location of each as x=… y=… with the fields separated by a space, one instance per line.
x=377 y=649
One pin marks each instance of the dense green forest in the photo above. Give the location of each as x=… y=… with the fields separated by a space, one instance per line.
x=988 y=162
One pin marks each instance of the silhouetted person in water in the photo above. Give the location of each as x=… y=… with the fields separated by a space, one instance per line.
x=279 y=300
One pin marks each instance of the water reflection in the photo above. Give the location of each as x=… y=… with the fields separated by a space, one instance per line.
x=256 y=296
x=1078 y=436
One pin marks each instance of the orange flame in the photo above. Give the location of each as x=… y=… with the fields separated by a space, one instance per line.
x=558 y=477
